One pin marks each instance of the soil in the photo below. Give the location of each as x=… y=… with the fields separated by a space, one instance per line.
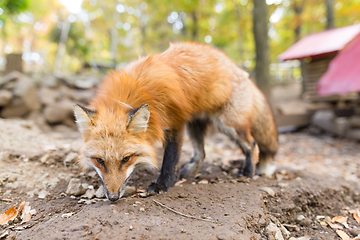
x=316 y=176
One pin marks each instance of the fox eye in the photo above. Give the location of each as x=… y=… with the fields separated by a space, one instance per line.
x=126 y=159
x=99 y=160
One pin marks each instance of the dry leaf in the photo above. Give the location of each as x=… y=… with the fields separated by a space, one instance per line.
x=8 y=215
x=356 y=215
x=334 y=225
x=339 y=219
x=12 y=213
x=343 y=235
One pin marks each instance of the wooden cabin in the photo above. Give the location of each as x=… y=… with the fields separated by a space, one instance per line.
x=316 y=51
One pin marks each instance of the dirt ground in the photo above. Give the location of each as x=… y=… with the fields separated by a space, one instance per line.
x=317 y=178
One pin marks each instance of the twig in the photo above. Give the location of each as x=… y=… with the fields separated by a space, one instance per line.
x=5 y=200
x=182 y=214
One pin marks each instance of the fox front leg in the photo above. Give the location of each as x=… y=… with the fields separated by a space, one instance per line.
x=167 y=175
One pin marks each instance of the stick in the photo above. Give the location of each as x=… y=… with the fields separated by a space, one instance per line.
x=182 y=214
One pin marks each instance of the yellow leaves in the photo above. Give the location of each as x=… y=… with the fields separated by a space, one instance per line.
x=12 y=213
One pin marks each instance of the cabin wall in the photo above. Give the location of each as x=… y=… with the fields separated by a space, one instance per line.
x=312 y=71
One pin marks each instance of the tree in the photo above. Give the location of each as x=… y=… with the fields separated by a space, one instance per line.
x=260 y=30
x=329 y=13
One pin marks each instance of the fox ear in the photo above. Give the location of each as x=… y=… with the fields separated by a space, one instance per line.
x=138 y=119
x=84 y=118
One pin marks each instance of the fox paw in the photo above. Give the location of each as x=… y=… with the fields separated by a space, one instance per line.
x=155 y=188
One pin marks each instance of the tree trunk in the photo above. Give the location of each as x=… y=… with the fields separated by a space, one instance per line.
x=330 y=14
x=260 y=21
x=195 y=27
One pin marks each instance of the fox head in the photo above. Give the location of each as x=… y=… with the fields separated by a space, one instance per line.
x=115 y=145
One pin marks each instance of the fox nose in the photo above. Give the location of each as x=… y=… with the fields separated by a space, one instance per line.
x=113 y=197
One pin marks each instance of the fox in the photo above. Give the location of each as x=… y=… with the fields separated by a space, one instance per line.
x=153 y=99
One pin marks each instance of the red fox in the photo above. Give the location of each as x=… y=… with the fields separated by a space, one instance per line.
x=152 y=100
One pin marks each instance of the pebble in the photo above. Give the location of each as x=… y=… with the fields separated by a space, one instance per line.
x=100 y=192
x=274 y=233
x=204 y=181
x=75 y=187
x=269 y=191
x=43 y=194
x=355 y=231
x=291 y=227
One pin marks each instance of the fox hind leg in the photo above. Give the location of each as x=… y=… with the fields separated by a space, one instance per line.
x=246 y=143
x=196 y=129
x=167 y=175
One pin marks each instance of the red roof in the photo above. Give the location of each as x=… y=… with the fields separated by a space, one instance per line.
x=343 y=74
x=323 y=43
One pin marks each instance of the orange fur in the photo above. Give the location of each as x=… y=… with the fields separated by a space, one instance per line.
x=185 y=82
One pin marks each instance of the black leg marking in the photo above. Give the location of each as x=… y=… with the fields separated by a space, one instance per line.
x=196 y=129
x=171 y=157
x=248 y=168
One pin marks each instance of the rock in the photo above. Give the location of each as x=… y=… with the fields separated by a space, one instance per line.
x=284 y=231
x=87 y=83
x=83 y=96
x=291 y=227
x=355 y=231
x=204 y=181
x=269 y=191
x=10 y=77
x=100 y=192
x=300 y=238
x=5 y=97
x=226 y=167
x=38 y=118
x=42 y=194
x=15 y=109
x=75 y=187
x=48 y=96
x=90 y=192
x=274 y=233
x=50 y=81
x=303 y=221
x=27 y=92
x=58 y=112
x=129 y=190
x=70 y=158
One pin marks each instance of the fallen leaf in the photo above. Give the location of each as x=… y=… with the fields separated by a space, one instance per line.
x=356 y=215
x=8 y=215
x=343 y=235
x=27 y=212
x=334 y=225
x=180 y=182
x=12 y=213
x=339 y=219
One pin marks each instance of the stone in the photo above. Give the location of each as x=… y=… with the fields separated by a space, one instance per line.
x=83 y=96
x=26 y=90
x=58 y=112
x=48 y=96
x=204 y=181
x=38 y=118
x=100 y=192
x=268 y=190
x=10 y=77
x=15 y=109
x=274 y=233
x=50 y=81
x=5 y=97
x=75 y=187
x=86 y=83
x=355 y=231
